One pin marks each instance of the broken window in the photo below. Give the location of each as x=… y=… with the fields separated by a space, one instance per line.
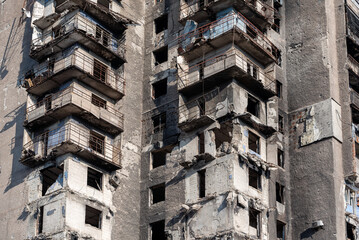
x=52 y=179
x=97 y=101
x=159 y=122
x=94 y=178
x=160 y=55
x=349 y=200
x=254 y=178
x=223 y=134
x=158 y=158
x=201 y=143
x=253 y=106
x=99 y=70
x=201 y=183
x=161 y=23
x=279 y=192
x=280 y=124
x=280 y=230
x=254 y=219
x=93 y=217
x=278 y=89
x=97 y=142
x=280 y=158
x=253 y=142
x=158 y=230
x=159 y=88
x=351 y=231
x=158 y=193
x=40 y=220
x=103 y=36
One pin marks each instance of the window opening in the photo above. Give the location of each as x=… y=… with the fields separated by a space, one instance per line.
x=280 y=158
x=254 y=219
x=158 y=158
x=94 y=179
x=97 y=142
x=201 y=183
x=93 y=217
x=254 y=178
x=158 y=193
x=279 y=89
x=279 y=192
x=104 y=3
x=158 y=230
x=252 y=70
x=280 y=124
x=201 y=143
x=102 y=36
x=280 y=230
x=161 y=23
x=160 y=55
x=159 y=88
x=97 y=101
x=100 y=71
x=51 y=179
x=253 y=106
x=253 y=142
x=40 y=220
x=159 y=122
x=202 y=106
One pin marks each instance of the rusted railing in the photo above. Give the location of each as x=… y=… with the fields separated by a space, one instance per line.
x=90 y=65
x=240 y=61
x=71 y=133
x=65 y=96
x=91 y=29
x=191 y=8
x=229 y=23
x=196 y=108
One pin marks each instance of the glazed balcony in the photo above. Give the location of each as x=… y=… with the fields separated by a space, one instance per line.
x=81 y=30
x=235 y=29
x=231 y=65
x=74 y=139
x=256 y=11
x=73 y=101
x=76 y=65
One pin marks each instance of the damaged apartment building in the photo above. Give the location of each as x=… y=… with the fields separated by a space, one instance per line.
x=179 y=119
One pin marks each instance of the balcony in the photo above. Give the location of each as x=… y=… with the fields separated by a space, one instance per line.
x=81 y=30
x=114 y=21
x=259 y=13
x=76 y=65
x=73 y=101
x=233 y=28
x=202 y=111
x=224 y=67
x=74 y=139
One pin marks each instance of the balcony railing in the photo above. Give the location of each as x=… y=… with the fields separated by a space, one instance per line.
x=231 y=22
x=91 y=29
x=72 y=95
x=58 y=141
x=191 y=8
x=99 y=72
x=222 y=62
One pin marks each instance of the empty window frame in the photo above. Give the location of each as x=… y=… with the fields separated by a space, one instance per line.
x=280 y=230
x=40 y=220
x=50 y=177
x=97 y=101
x=280 y=124
x=161 y=23
x=159 y=88
x=93 y=217
x=201 y=180
x=158 y=193
x=160 y=55
x=276 y=25
x=279 y=193
x=254 y=178
x=280 y=158
x=94 y=178
x=254 y=219
x=201 y=149
x=99 y=71
x=159 y=122
x=357 y=150
x=158 y=158
x=97 y=142
x=278 y=86
x=103 y=36
x=158 y=230
x=253 y=106
x=252 y=69
x=349 y=200
x=253 y=142
x=351 y=231
x=202 y=106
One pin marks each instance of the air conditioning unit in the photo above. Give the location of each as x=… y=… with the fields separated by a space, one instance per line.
x=115 y=179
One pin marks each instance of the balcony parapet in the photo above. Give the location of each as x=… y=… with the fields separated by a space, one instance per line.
x=71 y=138
x=52 y=74
x=81 y=30
x=232 y=64
x=72 y=101
x=233 y=28
x=258 y=12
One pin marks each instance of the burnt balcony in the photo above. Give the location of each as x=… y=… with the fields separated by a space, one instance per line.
x=79 y=29
x=256 y=11
x=114 y=21
x=73 y=101
x=87 y=69
x=231 y=65
x=71 y=138
x=233 y=28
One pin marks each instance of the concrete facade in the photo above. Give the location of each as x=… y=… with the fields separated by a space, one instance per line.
x=178 y=119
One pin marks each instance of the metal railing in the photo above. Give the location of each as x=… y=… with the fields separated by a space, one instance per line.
x=100 y=72
x=191 y=8
x=66 y=97
x=240 y=61
x=229 y=23
x=91 y=29
x=197 y=108
x=44 y=143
